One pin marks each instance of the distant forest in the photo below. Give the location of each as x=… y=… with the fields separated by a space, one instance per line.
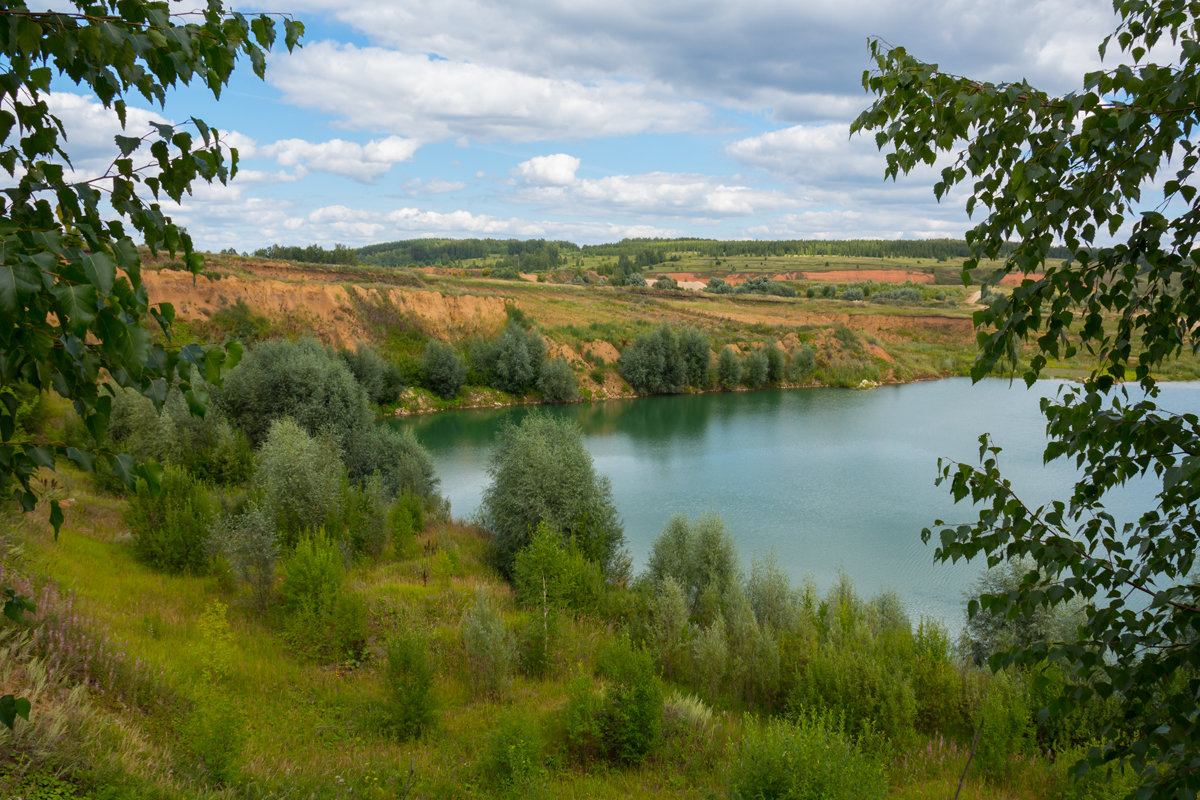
x=538 y=255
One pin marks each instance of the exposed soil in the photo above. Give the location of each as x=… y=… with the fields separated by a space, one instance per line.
x=857 y=275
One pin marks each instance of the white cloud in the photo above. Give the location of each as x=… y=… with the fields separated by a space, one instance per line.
x=433 y=186
x=412 y=96
x=658 y=194
x=360 y=162
x=555 y=170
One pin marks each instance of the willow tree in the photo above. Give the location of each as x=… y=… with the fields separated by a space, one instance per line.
x=1109 y=171
x=74 y=312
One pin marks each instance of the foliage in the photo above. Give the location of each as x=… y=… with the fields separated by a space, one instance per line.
x=519 y=357
x=324 y=622
x=551 y=572
x=1073 y=169
x=208 y=447
x=810 y=759
x=696 y=352
x=392 y=453
x=71 y=294
x=302 y=380
x=247 y=541
x=541 y=473
x=755 y=369
x=700 y=557
x=987 y=633
x=729 y=369
x=515 y=759
x=775 y=363
x=409 y=707
x=442 y=370
x=299 y=477
x=489 y=647
x=557 y=382
x=801 y=363
x=760 y=284
x=380 y=380
x=171 y=528
x=665 y=282
x=630 y=716
x=313 y=254
x=654 y=363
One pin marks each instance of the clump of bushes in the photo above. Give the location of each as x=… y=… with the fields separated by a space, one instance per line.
x=812 y=758
x=324 y=621
x=541 y=473
x=443 y=371
x=489 y=648
x=409 y=707
x=171 y=528
x=666 y=361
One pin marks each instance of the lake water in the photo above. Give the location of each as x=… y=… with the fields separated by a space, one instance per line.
x=829 y=479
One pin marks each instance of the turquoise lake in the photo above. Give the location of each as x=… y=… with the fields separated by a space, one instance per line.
x=828 y=479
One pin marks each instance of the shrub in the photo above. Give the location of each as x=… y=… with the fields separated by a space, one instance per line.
x=699 y=556
x=516 y=756
x=654 y=363
x=300 y=478
x=696 y=352
x=718 y=286
x=853 y=293
x=556 y=573
x=755 y=369
x=669 y=627
x=541 y=472
x=635 y=279
x=1003 y=721
x=248 y=542
x=380 y=380
x=557 y=383
x=801 y=364
x=987 y=633
x=394 y=454
x=409 y=706
x=631 y=714
x=729 y=369
x=774 y=363
x=536 y=641
x=171 y=529
x=442 y=369
x=710 y=659
x=360 y=517
x=519 y=357
x=579 y=721
x=324 y=622
x=810 y=759
x=489 y=648
x=301 y=380
x=666 y=282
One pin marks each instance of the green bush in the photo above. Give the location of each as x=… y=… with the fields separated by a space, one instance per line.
x=171 y=529
x=442 y=369
x=853 y=293
x=394 y=454
x=556 y=573
x=700 y=557
x=249 y=545
x=669 y=629
x=557 y=382
x=541 y=473
x=300 y=478
x=755 y=369
x=488 y=646
x=409 y=707
x=324 y=622
x=302 y=380
x=519 y=357
x=810 y=759
x=999 y=710
x=696 y=351
x=775 y=363
x=801 y=363
x=536 y=641
x=515 y=761
x=578 y=723
x=729 y=369
x=380 y=380
x=630 y=716
x=654 y=363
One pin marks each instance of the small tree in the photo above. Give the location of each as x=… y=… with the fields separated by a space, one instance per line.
x=755 y=369
x=541 y=472
x=729 y=369
x=299 y=477
x=557 y=383
x=444 y=371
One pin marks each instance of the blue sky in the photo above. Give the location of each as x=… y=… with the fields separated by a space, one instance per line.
x=587 y=120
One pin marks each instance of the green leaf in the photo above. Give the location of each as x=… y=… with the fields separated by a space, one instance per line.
x=12 y=707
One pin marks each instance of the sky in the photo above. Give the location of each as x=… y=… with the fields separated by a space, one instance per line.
x=586 y=120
